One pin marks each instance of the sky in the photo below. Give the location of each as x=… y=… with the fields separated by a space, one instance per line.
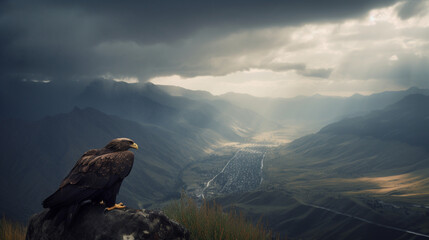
x=263 y=48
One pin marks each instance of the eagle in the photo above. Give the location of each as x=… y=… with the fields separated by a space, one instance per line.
x=96 y=177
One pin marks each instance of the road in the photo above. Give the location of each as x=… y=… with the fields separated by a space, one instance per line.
x=368 y=221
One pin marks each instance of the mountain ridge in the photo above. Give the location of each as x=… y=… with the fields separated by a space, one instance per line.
x=406 y=121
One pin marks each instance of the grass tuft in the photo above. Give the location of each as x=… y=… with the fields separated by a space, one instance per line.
x=10 y=230
x=210 y=222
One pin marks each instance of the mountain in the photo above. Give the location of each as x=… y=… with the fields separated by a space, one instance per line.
x=143 y=103
x=37 y=155
x=317 y=111
x=35 y=100
x=149 y=103
x=308 y=114
x=384 y=153
x=393 y=139
x=198 y=95
x=406 y=121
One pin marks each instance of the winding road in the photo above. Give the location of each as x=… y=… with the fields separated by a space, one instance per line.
x=367 y=221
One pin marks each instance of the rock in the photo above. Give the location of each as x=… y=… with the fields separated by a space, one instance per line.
x=92 y=222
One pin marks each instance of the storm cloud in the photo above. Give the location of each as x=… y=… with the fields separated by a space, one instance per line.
x=67 y=40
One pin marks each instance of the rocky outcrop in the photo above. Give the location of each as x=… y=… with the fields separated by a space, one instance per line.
x=92 y=222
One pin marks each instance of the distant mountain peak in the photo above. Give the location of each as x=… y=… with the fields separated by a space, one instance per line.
x=411 y=89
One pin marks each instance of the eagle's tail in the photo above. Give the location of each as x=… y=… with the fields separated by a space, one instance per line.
x=65 y=202
x=68 y=195
x=59 y=198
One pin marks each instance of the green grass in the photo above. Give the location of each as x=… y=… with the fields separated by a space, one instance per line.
x=10 y=230
x=210 y=222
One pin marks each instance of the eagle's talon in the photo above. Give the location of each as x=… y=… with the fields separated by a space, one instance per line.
x=118 y=206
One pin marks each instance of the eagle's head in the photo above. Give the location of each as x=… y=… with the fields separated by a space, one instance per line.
x=121 y=144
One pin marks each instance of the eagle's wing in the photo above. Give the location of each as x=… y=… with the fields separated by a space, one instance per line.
x=90 y=176
x=75 y=172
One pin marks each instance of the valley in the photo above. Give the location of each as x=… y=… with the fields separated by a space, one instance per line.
x=361 y=181
x=233 y=167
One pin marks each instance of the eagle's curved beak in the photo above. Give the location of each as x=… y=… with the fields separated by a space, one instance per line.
x=134 y=145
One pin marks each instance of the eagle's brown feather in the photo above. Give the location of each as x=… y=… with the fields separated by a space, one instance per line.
x=103 y=165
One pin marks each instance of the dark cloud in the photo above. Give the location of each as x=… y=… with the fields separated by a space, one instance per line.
x=85 y=39
x=411 y=8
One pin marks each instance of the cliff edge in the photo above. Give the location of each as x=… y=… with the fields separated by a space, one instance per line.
x=92 y=222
